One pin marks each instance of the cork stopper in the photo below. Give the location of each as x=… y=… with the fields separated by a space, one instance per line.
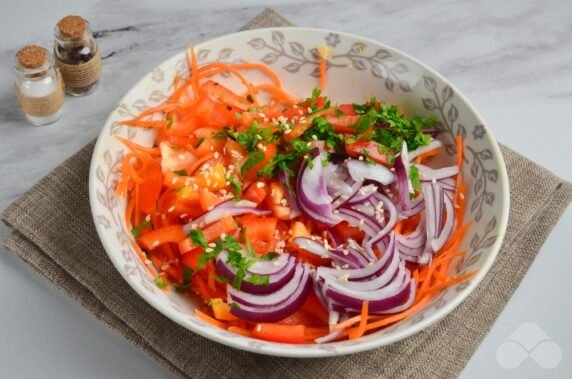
x=31 y=56
x=72 y=26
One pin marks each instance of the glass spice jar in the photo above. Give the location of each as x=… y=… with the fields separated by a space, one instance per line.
x=77 y=55
x=39 y=87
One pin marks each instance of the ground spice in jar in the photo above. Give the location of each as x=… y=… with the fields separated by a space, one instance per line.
x=77 y=55
x=39 y=87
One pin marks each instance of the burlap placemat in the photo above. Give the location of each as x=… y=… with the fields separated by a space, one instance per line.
x=54 y=233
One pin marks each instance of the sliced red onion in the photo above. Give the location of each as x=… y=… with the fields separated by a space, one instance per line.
x=227 y=208
x=338 y=181
x=366 y=272
x=403 y=183
x=360 y=220
x=390 y=296
x=433 y=145
x=274 y=298
x=362 y=170
x=313 y=198
x=277 y=278
x=363 y=194
x=273 y=311
x=428 y=174
x=438 y=243
x=289 y=193
x=337 y=255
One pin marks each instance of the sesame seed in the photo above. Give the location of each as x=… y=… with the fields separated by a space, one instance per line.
x=183 y=215
x=343 y=278
x=265 y=119
x=193 y=226
x=224 y=150
x=187 y=182
x=360 y=158
x=258 y=327
x=309 y=110
x=288 y=131
x=216 y=155
x=155 y=244
x=148 y=218
x=461 y=196
x=175 y=180
x=434 y=180
x=212 y=148
x=208 y=181
x=223 y=235
x=314 y=137
x=212 y=244
x=181 y=156
x=171 y=209
x=165 y=266
x=208 y=250
x=210 y=208
x=259 y=184
x=295 y=106
x=261 y=115
x=309 y=144
x=148 y=262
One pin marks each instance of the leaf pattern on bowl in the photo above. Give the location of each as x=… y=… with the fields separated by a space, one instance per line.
x=293 y=52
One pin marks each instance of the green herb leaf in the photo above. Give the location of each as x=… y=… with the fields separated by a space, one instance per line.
x=235 y=186
x=199 y=142
x=233 y=305
x=198 y=238
x=181 y=172
x=253 y=159
x=187 y=275
x=258 y=280
x=160 y=282
x=136 y=231
x=221 y=279
x=414 y=177
x=338 y=112
x=237 y=115
x=169 y=122
x=269 y=257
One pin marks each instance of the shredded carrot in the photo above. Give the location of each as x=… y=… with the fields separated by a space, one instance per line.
x=144 y=124
x=398 y=316
x=241 y=331
x=136 y=147
x=360 y=330
x=323 y=74
x=278 y=93
x=160 y=108
x=262 y=67
x=210 y=320
x=199 y=162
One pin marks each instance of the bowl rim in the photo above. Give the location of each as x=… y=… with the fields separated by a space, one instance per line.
x=276 y=349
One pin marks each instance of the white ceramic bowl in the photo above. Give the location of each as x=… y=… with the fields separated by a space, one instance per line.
x=359 y=69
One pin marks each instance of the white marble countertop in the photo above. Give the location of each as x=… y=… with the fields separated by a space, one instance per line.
x=512 y=59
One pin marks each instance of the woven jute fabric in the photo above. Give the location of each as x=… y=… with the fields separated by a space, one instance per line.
x=53 y=231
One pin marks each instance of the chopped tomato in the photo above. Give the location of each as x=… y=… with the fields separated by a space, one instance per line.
x=363 y=147
x=298 y=229
x=191 y=256
x=175 y=159
x=346 y=231
x=150 y=188
x=225 y=96
x=263 y=247
x=343 y=123
x=181 y=126
x=259 y=228
x=347 y=109
x=226 y=225
x=206 y=142
x=217 y=114
x=212 y=178
x=208 y=200
x=172 y=233
x=256 y=192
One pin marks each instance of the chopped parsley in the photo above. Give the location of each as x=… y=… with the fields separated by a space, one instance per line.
x=233 y=305
x=253 y=159
x=160 y=282
x=199 y=142
x=187 y=275
x=181 y=172
x=136 y=231
x=169 y=122
x=270 y=256
x=258 y=280
x=414 y=178
x=198 y=238
x=236 y=187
